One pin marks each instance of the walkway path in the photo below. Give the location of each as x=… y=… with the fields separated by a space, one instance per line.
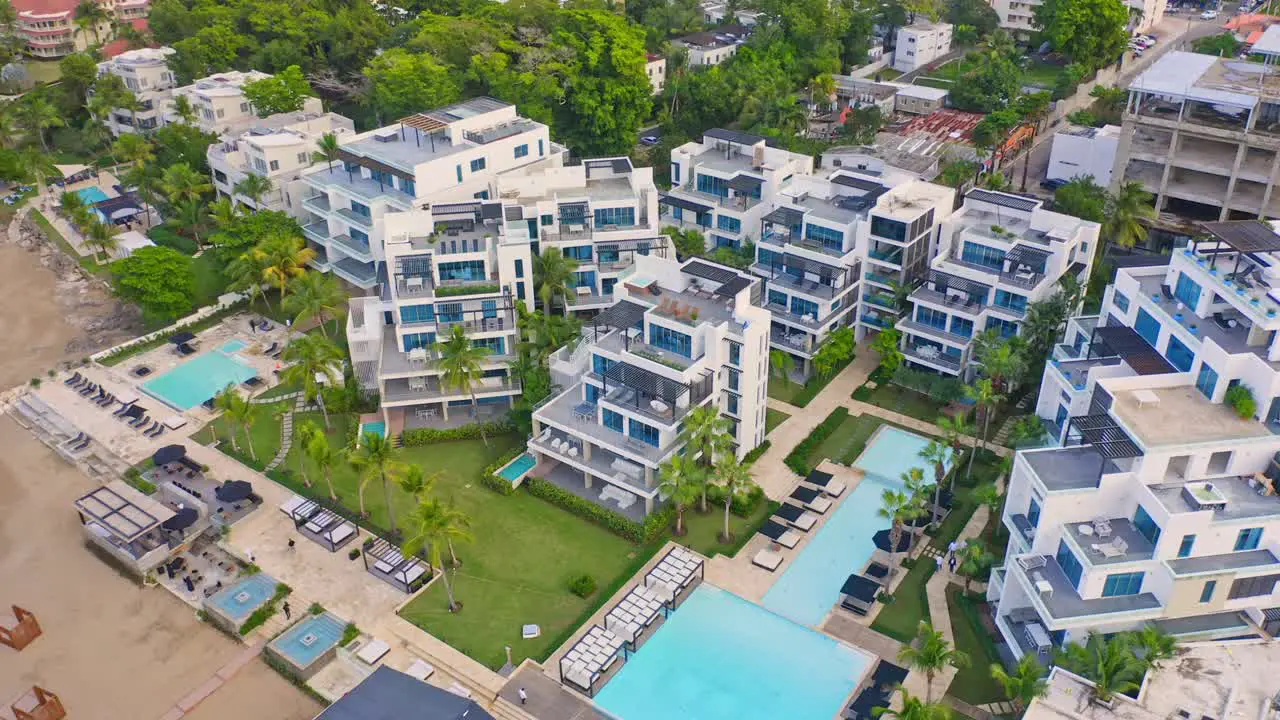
x=215 y=681
x=286 y=430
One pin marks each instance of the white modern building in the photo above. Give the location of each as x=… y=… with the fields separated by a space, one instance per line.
x=221 y=106
x=1161 y=505
x=680 y=336
x=280 y=148
x=655 y=68
x=995 y=256
x=714 y=13
x=145 y=72
x=1084 y=152
x=723 y=185
x=447 y=155
x=599 y=213
x=919 y=44
x=713 y=47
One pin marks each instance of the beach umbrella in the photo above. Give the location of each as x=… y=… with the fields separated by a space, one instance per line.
x=881 y=540
x=233 y=491
x=182 y=337
x=181 y=520
x=168 y=454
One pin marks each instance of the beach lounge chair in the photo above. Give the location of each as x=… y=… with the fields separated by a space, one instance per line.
x=781 y=534
x=877 y=572
x=811 y=499
x=87 y=390
x=767 y=559
x=140 y=421
x=796 y=517
x=858 y=594
x=274 y=347
x=826 y=482
x=124 y=408
x=73 y=379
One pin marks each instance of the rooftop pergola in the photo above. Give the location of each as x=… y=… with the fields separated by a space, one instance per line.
x=1104 y=434
x=122 y=511
x=1243 y=236
x=1125 y=343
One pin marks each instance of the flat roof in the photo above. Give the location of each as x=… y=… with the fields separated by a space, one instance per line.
x=122 y=510
x=1070 y=468
x=1208 y=78
x=1181 y=416
x=1224 y=562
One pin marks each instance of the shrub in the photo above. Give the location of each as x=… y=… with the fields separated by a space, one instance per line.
x=757 y=453
x=349 y=633
x=743 y=504
x=355 y=553
x=134 y=478
x=315 y=609
x=582 y=585
x=427 y=436
x=490 y=478
x=615 y=523
x=260 y=616
x=798 y=458
x=1241 y=399
x=166 y=236
x=453 y=290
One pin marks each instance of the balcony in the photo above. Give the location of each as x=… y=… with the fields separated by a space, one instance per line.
x=560 y=413
x=318 y=231
x=800 y=285
x=1021 y=527
x=878 y=321
x=891 y=257
x=588 y=300
x=361 y=274
x=953 y=303
x=918 y=328
x=782 y=313
x=775 y=238
x=356 y=218
x=933 y=357
x=317 y=203
x=1055 y=595
x=1122 y=544
x=798 y=342
x=414 y=286
x=458 y=288
x=352 y=247
x=884 y=300
x=567 y=233
x=501 y=323
x=879 y=279
x=416 y=390
x=818 y=248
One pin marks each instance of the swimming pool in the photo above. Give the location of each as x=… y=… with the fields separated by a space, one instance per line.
x=237 y=602
x=306 y=641
x=92 y=194
x=377 y=428
x=516 y=469
x=810 y=587
x=722 y=657
x=198 y=379
x=233 y=346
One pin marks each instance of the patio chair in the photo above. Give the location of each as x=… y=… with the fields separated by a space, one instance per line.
x=73 y=379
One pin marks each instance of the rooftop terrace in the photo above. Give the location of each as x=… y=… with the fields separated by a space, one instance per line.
x=1242 y=501
x=1071 y=468
x=1181 y=416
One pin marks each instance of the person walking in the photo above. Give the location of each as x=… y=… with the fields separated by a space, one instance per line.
x=938 y=559
x=524 y=696
x=286 y=609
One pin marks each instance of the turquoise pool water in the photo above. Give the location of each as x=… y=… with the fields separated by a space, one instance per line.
x=238 y=601
x=810 y=586
x=233 y=346
x=377 y=428
x=516 y=469
x=309 y=639
x=92 y=194
x=720 y=657
x=198 y=379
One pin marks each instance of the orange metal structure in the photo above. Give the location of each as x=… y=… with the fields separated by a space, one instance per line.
x=23 y=632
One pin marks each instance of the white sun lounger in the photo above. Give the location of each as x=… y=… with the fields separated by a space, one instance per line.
x=819 y=505
x=767 y=559
x=420 y=669
x=374 y=651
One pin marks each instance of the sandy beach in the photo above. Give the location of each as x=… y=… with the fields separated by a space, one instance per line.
x=111 y=649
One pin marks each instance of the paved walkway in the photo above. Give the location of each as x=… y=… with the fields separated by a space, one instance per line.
x=936 y=592
x=215 y=681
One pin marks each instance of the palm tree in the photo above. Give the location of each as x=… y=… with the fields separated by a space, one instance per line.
x=90 y=14
x=1111 y=664
x=680 y=478
x=736 y=480
x=1126 y=209
x=554 y=273
x=326 y=149
x=460 y=370
x=913 y=708
x=433 y=525
x=246 y=273
x=37 y=115
x=239 y=414
x=415 y=482
x=37 y=166
x=989 y=494
x=706 y=432
x=75 y=208
x=224 y=401
x=781 y=364
x=253 y=186
x=938 y=455
x=133 y=149
x=221 y=211
x=322 y=454
x=179 y=182
x=101 y=236
x=375 y=457
x=930 y=653
x=312 y=356
x=896 y=507
x=956 y=430
x=1155 y=645
x=973 y=560
x=459 y=520
x=129 y=101
x=984 y=394
x=191 y=214
x=9 y=127
x=314 y=295
x=304 y=434
x=146 y=182
x=183 y=109
x=283 y=258
x=1001 y=358
x=1025 y=684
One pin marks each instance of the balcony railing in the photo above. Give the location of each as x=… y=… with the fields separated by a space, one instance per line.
x=352 y=247
x=889 y=256
x=933 y=356
x=318 y=203
x=356 y=218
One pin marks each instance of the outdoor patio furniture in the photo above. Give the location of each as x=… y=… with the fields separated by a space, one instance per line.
x=827 y=482
x=780 y=534
x=420 y=670
x=529 y=632
x=75 y=378
x=373 y=651
x=274 y=347
x=811 y=499
x=767 y=559
x=796 y=517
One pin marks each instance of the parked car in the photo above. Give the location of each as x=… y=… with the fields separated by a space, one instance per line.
x=1209 y=15
x=1172 y=9
x=648 y=140
x=1054 y=184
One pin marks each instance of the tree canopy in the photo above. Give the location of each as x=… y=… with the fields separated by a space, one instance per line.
x=285 y=91
x=158 y=279
x=1090 y=32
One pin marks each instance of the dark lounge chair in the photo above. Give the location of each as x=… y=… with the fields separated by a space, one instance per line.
x=73 y=379
x=88 y=390
x=878 y=572
x=274 y=347
x=124 y=408
x=781 y=534
x=811 y=499
x=185 y=349
x=253 y=382
x=797 y=517
x=858 y=594
x=827 y=482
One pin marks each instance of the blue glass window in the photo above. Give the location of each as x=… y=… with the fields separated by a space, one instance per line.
x=600 y=365
x=449 y=312
x=359 y=236
x=713 y=185
x=520 y=290
x=722 y=241
x=593 y=393
x=1148 y=327
x=477 y=165
x=932 y=318
x=726 y=222
x=1248 y=539
x=408 y=187
x=1033 y=513
x=522 y=150
x=1184 y=548
x=581 y=253
x=768 y=257
x=1145 y=526
x=668 y=339
x=1206 y=594
x=807 y=308
x=495 y=345
x=418 y=340
x=829 y=238
x=961 y=326
x=547 y=220
x=1187 y=291
x=1180 y=356
x=1070 y=565
x=611 y=420
x=459 y=169
x=1207 y=380
x=1013 y=301
x=519 y=268
x=891 y=229
x=987 y=257
x=777 y=298
x=735 y=379
x=735 y=354
x=732 y=404
x=540 y=153
x=360 y=209
x=585 y=278
x=644 y=433
x=489 y=308
x=383 y=178
x=1120 y=301
x=1006 y=328
x=1122 y=584
x=465 y=270
x=675 y=173
x=410 y=314
x=621 y=217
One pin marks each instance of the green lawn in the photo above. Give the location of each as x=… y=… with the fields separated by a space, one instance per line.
x=849 y=439
x=799 y=395
x=265 y=433
x=704 y=529
x=900 y=618
x=88 y=262
x=899 y=399
x=772 y=419
x=1037 y=72
x=210 y=282
x=972 y=684
x=1042 y=73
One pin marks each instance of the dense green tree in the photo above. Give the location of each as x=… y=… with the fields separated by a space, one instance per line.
x=862 y=124
x=607 y=93
x=402 y=83
x=209 y=50
x=10 y=40
x=1223 y=45
x=283 y=92
x=158 y=279
x=975 y=13
x=1090 y=32
x=183 y=144
x=992 y=82
x=1083 y=198
x=79 y=71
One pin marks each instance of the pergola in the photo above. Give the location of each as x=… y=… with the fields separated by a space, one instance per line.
x=1243 y=236
x=1125 y=343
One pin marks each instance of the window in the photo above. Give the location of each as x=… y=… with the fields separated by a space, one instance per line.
x=360 y=209
x=1184 y=548
x=466 y=270
x=408 y=187
x=1179 y=355
x=477 y=165
x=1033 y=513
x=1187 y=291
x=961 y=326
x=450 y=312
x=1145 y=526
x=829 y=238
x=611 y=420
x=1248 y=539
x=495 y=345
x=644 y=433
x=735 y=379
x=668 y=339
x=1013 y=301
x=1148 y=327
x=713 y=185
x=932 y=318
x=777 y=298
x=418 y=340
x=722 y=241
x=732 y=404
x=1253 y=587
x=732 y=224
x=520 y=290
x=621 y=217
x=1069 y=564
x=1122 y=584
x=519 y=268
x=600 y=365
x=547 y=220
x=585 y=278
x=522 y=150
x=410 y=314
x=489 y=308
x=805 y=308
x=275 y=164
x=982 y=255
x=581 y=253
x=1207 y=380
x=459 y=169
x=889 y=229
x=593 y=394
x=675 y=173
x=540 y=153
x=735 y=354
x=1206 y=593
x=303 y=158
x=1006 y=328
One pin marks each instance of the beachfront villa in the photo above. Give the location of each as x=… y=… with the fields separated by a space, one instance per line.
x=139 y=531
x=677 y=337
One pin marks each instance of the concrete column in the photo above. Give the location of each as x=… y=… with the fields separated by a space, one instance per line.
x=444 y=410
x=586 y=451
x=1122 y=155
x=1275 y=177
x=648 y=505
x=1168 y=169
x=586 y=479
x=1241 y=151
x=649 y=478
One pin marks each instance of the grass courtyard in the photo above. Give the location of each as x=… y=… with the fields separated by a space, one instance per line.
x=973 y=683
x=773 y=418
x=894 y=397
x=1036 y=72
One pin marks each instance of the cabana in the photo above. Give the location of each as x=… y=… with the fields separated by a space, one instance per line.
x=884 y=538
x=322 y=526
x=589 y=659
x=635 y=613
x=858 y=594
x=389 y=565
x=674 y=574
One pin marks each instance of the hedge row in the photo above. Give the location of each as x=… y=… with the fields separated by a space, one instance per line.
x=798 y=458
x=757 y=453
x=427 y=436
x=490 y=478
x=650 y=530
x=264 y=613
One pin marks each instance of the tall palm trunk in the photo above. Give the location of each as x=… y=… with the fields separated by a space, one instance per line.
x=727 y=502
x=302 y=469
x=448 y=589
x=475 y=413
x=453 y=555
x=328 y=479
x=386 y=494
x=249 y=438
x=937 y=495
x=895 y=537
